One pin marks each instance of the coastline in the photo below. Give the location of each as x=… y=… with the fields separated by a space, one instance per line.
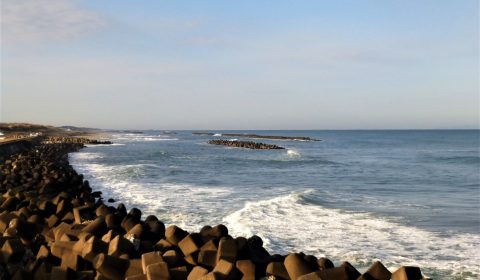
x=84 y=221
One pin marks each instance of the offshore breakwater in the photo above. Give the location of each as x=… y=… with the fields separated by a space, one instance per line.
x=55 y=226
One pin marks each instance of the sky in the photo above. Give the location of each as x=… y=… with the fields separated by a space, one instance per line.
x=241 y=64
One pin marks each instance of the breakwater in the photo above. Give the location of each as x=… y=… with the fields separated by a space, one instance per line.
x=245 y=144
x=55 y=226
x=258 y=136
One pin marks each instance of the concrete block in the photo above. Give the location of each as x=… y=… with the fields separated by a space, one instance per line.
x=377 y=272
x=227 y=250
x=172 y=258
x=163 y=245
x=192 y=259
x=325 y=263
x=178 y=273
x=207 y=258
x=158 y=271
x=136 y=231
x=72 y=261
x=277 y=269
x=246 y=268
x=97 y=227
x=197 y=273
x=190 y=244
x=137 y=277
x=296 y=266
x=59 y=248
x=134 y=268
x=92 y=247
x=120 y=245
x=12 y=250
x=174 y=234
x=337 y=273
x=352 y=272
x=82 y=213
x=59 y=273
x=223 y=269
x=407 y=273
x=111 y=267
x=107 y=237
x=150 y=258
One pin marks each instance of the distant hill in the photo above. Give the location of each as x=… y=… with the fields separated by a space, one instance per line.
x=28 y=128
x=76 y=128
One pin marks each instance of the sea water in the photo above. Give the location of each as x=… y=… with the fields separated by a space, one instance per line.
x=404 y=197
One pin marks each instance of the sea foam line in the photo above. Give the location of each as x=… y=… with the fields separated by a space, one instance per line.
x=288 y=224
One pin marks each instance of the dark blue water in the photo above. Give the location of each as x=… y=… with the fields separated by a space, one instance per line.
x=404 y=197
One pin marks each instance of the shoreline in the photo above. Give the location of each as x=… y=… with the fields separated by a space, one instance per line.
x=77 y=235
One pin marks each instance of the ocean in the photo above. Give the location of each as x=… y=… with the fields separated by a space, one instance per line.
x=404 y=197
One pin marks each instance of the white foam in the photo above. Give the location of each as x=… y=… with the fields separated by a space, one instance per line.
x=217 y=134
x=145 y=138
x=187 y=206
x=287 y=224
x=85 y=156
x=293 y=153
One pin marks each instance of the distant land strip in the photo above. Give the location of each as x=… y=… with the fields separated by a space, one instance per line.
x=273 y=137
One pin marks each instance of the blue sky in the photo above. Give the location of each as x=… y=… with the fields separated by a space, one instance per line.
x=241 y=65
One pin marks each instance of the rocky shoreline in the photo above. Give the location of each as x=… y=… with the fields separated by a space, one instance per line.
x=245 y=144
x=55 y=226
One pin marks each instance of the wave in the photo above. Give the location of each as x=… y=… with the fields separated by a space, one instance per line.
x=141 y=139
x=471 y=157
x=217 y=135
x=104 y=145
x=86 y=156
x=295 y=225
x=293 y=153
x=172 y=203
x=132 y=137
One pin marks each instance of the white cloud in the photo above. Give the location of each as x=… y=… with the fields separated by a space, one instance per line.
x=26 y=21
